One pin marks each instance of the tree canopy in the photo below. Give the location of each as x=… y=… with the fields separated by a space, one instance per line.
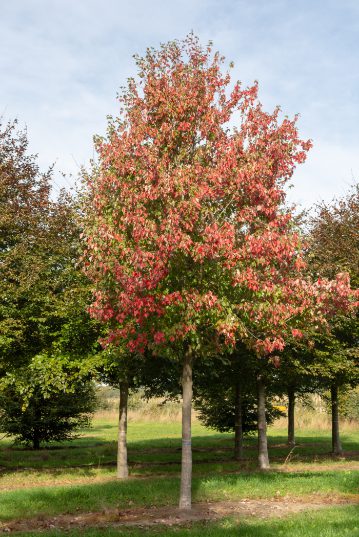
x=188 y=242
x=45 y=331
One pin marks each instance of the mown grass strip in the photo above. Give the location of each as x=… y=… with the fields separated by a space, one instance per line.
x=104 y=453
x=94 y=497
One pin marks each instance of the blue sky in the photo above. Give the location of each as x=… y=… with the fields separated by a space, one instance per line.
x=63 y=61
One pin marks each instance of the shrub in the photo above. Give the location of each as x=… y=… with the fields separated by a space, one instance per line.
x=46 y=419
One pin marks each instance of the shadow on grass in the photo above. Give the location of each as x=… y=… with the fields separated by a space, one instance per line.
x=95 y=451
x=50 y=501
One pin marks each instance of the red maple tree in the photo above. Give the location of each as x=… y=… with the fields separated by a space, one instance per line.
x=188 y=241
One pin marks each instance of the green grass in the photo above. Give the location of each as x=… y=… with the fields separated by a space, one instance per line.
x=82 y=478
x=55 y=500
x=330 y=522
x=97 y=447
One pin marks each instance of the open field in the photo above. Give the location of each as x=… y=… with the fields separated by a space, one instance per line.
x=73 y=487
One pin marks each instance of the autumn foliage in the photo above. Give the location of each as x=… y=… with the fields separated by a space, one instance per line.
x=187 y=236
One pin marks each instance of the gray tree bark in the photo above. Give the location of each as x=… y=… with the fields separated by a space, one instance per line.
x=186 y=466
x=291 y=408
x=238 y=424
x=263 y=458
x=122 y=464
x=336 y=443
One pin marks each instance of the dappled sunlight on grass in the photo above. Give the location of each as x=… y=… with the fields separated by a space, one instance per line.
x=79 y=476
x=155 y=448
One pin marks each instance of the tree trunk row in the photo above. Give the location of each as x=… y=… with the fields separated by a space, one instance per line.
x=186 y=467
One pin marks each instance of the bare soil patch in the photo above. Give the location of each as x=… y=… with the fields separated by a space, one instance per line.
x=170 y=516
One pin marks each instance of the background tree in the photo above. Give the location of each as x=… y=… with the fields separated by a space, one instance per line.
x=38 y=418
x=226 y=396
x=333 y=237
x=333 y=247
x=120 y=369
x=43 y=294
x=24 y=207
x=336 y=366
x=295 y=376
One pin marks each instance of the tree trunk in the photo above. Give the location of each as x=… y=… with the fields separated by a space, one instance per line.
x=37 y=426
x=291 y=407
x=36 y=443
x=186 y=467
x=263 y=459
x=238 y=424
x=336 y=444
x=122 y=466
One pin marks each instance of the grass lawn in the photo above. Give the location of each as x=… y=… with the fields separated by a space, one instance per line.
x=79 y=476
